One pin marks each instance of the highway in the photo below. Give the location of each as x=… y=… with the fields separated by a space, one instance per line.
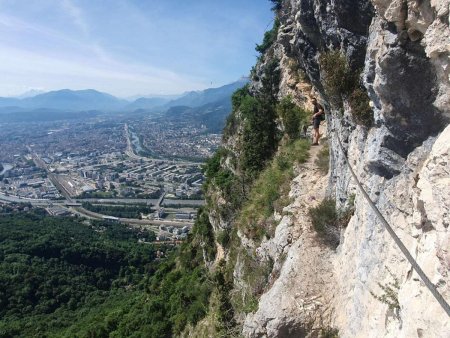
x=118 y=201
x=16 y=199
x=144 y=222
x=74 y=205
x=102 y=201
x=69 y=205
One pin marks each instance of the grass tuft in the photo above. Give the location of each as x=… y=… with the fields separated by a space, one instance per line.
x=270 y=188
x=323 y=159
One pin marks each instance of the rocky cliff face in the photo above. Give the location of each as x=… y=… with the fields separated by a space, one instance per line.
x=405 y=75
x=402 y=49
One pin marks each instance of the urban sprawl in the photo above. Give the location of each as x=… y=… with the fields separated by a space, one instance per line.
x=142 y=173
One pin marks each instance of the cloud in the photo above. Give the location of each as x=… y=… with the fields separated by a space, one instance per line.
x=130 y=47
x=119 y=79
x=77 y=16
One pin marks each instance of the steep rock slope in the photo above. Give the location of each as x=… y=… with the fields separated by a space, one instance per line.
x=392 y=63
x=300 y=299
x=406 y=75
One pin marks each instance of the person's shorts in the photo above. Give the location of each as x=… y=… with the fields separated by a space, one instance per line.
x=316 y=123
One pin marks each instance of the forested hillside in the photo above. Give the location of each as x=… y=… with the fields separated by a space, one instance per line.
x=73 y=278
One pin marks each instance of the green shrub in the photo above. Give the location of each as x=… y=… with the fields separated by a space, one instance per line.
x=251 y=304
x=230 y=128
x=253 y=74
x=292 y=116
x=390 y=293
x=276 y=4
x=324 y=215
x=325 y=221
x=269 y=38
x=213 y=165
x=225 y=311
x=258 y=120
x=361 y=110
x=238 y=96
x=97 y=280
x=201 y=244
x=338 y=78
x=296 y=72
x=255 y=275
x=270 y=81
x=268 y=190
x=389 y=296
x=223 y=238
x=231 y=123
x=259 y=136
x=224 y=179
x=329 y=332
x=341 y=82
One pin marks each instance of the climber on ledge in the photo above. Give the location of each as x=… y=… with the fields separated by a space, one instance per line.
x=318 y=116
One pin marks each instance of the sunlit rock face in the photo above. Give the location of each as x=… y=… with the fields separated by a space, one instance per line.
x=403 y=161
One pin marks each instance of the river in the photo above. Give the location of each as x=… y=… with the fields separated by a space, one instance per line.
x=136 y=142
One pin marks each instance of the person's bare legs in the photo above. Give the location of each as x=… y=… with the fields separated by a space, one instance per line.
x=316 y=136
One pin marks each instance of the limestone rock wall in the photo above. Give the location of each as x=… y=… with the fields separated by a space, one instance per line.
x=406 y=74
x=368 y=255
x=403 y=161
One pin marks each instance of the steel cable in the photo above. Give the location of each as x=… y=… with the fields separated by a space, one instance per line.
x=396 y=239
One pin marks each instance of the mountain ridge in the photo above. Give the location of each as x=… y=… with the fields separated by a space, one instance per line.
x=91 y=99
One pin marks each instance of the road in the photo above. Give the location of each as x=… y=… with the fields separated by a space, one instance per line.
x=83 y=212
x=169 y=202
x=132 y=221
x=53 y=177
x=16 y=199
x=158 y=204
x=102 y=201
x=119 y=201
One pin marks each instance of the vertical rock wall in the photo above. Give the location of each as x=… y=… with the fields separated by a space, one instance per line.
x=406 y=74
x=403 y=161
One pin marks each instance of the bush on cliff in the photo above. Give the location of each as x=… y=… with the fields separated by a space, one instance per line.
x=337 y=76
x=341 y=82
x=292 y=116
x=277 y=4
x=361 y=110
x=269 y=38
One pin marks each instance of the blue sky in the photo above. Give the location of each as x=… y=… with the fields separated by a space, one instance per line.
x=128 y=47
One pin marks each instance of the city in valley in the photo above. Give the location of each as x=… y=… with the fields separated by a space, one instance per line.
x=141 y=171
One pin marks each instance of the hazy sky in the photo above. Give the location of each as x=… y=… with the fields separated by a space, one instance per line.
x=128 y=47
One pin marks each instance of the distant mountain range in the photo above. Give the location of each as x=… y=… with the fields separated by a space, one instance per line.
x=67 y=100
x=212 y=115
x=30 y=93
x=90 y=99
x=209 y=107
x=200 y=98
